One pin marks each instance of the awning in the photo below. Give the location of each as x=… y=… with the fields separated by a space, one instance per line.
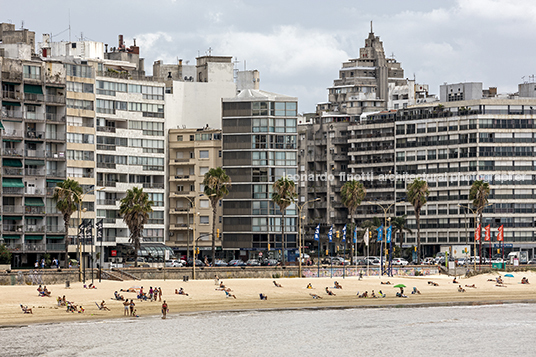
x=12 y=218
x=31 y=88
x=12 y=162
x=55 y=237
x=12 y=104
x=54 y=180
x=1 y=126
x=34 y=201
x=33 y=217
x=34 y=162
x=13 y=140
x=12 y=182
x=33 y=237
x=11 y=237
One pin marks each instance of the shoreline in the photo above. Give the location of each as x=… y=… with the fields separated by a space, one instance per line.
x=204 y=298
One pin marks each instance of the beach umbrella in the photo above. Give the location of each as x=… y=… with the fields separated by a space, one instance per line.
x=399 y=286
x=509 y=275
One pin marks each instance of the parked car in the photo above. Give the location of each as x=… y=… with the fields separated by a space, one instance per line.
x=270 y=262
x=173 y=264
x=236 y=263
x=220 y=263
x=198 y=263
x=400 y=261
x=253 y=262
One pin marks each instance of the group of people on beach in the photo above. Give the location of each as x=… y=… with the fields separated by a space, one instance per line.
x=43 y=291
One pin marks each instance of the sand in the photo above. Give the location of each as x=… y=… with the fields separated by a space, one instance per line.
x=293 y=294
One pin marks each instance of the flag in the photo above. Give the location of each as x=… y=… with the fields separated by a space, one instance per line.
x=344 y=234
x=81 y=230
x=500 y=236
x=330 y=233
x=477 y=233
x=380 y=233
x=89 y=231
x=365 y=237
x=388 y=234
x=317 y=232
x=99 y=229
x=355 y=235
x=488 y=233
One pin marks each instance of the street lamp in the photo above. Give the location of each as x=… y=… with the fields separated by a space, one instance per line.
x=385 y=210
x=474 y=240
x=80 y=198
x=300 y=239
x=194 y=241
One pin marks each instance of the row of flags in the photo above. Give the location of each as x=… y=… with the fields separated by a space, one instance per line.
x=365 y=237
x=487 y=237
x=85 y=229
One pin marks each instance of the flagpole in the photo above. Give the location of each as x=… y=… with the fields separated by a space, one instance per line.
x=318 y=261
x=344 y=266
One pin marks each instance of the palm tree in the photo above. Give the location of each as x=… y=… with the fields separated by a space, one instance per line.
x=135 y=208
x=217 y=185
x=352 y=193
x=479 y=195
x=67 y=195
x=399 y=226
x=284 y=195
x=417 y=192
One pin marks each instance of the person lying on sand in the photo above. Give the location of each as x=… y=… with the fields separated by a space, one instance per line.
x=181 y=292
x=415 y=290
x=385 y=283
x=329 y=292
x=398 y=294
x=433 y=283
x=129 y=290
x=337 y=285
x=228 y=294
x=309 y=286
x=277 y=284
x=381 y=294
x=315 y=296
x=525 y=281
x=364 y=295
x=460 y=289
x=501 y=285
x=117 y=296
x=470 y=286
x=263 y=297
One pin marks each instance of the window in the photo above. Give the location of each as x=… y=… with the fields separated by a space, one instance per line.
x=204 y=220
x=149 y=128
x=149 y=146
x=148 y=163
x=80 y=138
x=203 y=170
x=157 y=198
x=79 y=87
x=79 y=71
x=204 y=203
x=80 y=155
x=203 y=154
x=32 y=72
x=179 y=137
x=79 y=104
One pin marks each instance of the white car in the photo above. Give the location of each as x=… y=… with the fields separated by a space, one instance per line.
x=400 y=261
x=173 y=264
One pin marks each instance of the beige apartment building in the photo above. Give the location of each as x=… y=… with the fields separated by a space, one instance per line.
x=192 y=152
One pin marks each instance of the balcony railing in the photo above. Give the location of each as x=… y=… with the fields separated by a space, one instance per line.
x=34 y=97
x=34 y=210
x=60 y=99
x=55 y=117
x=55 y=136
x=12 y=152
x=12 y=133
x=34 y=246
x=13 y=171
x=34 y=228
x=11 y=228
x=33 y=190
x=34 y=153
x=9 y=94
x=153 y=185
x=107 y=202
x=106 y=165
x=15 y=114
x=106 y=183
x=56 y=229
x=55 y=154
x=34 y=172
x=56 y=246
x=12 y=209
x=12 y=190
x=60 y=173
x=107 y=129
x=30 y=134
x=105 y=147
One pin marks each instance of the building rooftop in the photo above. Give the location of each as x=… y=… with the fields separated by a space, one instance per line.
x=260 y=95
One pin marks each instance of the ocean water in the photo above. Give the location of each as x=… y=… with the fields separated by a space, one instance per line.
x=493 y=330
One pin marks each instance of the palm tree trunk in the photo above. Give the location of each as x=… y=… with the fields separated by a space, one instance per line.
x=418 y=217
x=480 y=238
x=283 y=236
x=66 y=264
x=213 y=235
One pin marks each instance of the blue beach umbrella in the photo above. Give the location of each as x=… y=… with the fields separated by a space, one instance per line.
x=509 y=275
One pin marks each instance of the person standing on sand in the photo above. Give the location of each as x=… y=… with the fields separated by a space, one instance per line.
x=159 y=294
x=164 y=309
x=126 y=304
x=131 y=305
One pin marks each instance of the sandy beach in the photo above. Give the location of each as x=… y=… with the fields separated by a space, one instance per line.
x=203 y=295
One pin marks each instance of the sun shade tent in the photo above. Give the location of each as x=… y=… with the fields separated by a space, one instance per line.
x=12 y=182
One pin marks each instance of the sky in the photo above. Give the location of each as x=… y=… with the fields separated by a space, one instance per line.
x=299 y=46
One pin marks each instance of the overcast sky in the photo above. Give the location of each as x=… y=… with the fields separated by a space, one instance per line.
x=298 y=46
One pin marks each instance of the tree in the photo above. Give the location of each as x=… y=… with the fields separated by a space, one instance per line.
x=418 y=192
x=217 y=185
x=479 y=195
x=399 y=226
x=352 y=194
x=5 y=255
x=284 y=195
x=135 y=208
x=67 y=195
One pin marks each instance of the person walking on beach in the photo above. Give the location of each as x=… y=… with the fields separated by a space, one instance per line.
x=159 y=294
x=164 y=309
x=131 y=305
x=126 y=305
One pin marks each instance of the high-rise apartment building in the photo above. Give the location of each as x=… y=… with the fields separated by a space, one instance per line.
x=259 y=147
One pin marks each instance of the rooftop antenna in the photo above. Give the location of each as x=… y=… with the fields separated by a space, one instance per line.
x=22 y=25
x=371 y=27
x=209 y=51
x=69 y=25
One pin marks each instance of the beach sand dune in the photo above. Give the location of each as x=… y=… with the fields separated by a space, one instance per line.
x=203 y=295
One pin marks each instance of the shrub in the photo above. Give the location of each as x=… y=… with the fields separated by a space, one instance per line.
x=5 y=255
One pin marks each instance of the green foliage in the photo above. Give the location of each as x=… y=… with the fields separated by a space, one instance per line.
x=479 y=194
x=418 y=192
x=352 y=194
x=135 y=208
x=284 y=195
x=5 y=255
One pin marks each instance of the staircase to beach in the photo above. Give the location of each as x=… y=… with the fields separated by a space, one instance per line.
x=124 y=275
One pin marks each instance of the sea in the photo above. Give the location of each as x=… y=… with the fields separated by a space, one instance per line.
x=484 y=330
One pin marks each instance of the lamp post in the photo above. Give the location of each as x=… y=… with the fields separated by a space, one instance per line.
x=474 y=240
x=192 y=202
x=81 y=258
x=385 y=210
x=300 y=238
x=194 y=241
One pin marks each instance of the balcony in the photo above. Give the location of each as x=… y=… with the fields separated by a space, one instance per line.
x=15 y=95
x=11 y=171
x=110 y=220
x=55 y=136
x=34 y=172
x=12 y=209
x=34 y=229
x=107 y=202
x=106 y=129
x=12 y=133
x=35 y=247
x=57 y=99
x=55 y=117
x=183 y=193
x=60 y=247
x=33 y=190
x=61 y=173
x=179 y=226
x=11 y=228
x=30 y=134
x=12 y=152
x=13 y=190
x=153 y=185
x=55 y=154
x=180 y=210
x=106 y=165
x=11 y=114
x=183 y=177
x=106 y=183
x=105 y=147
x=34 y=153
x=56 y=229
x=12 y=76
x=34 y=97
x=34 y=210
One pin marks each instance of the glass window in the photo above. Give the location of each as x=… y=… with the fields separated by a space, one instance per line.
x=203 y=170
x=204 y=220
x=203 y=154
